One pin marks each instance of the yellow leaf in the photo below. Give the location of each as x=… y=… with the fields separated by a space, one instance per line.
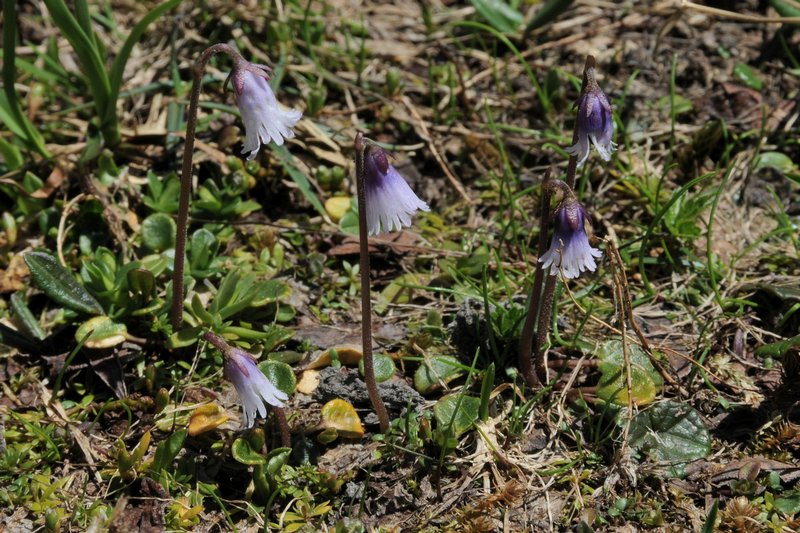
x=309 y=381
x=339 y=415
x=348 y=354
x=206 y=418
x=337 y=207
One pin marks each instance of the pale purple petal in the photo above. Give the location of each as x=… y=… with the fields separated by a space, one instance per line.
x=253 y=387
x=264 y=120
x=390 y=201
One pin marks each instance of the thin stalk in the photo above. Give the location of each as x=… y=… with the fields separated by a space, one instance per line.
x=366 y=304
x=176 y=314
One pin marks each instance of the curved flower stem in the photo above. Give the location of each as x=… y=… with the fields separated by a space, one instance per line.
x=366 y=304
x=540 y=302
x=176 y=314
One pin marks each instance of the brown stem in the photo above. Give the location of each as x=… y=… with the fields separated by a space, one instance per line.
x=283 y=426
x=176 y=314
x=526 y=337
x=366 y=304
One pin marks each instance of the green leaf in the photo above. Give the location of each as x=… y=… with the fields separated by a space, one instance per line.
x=670 y=432
x=349 y=222
x=499 y=14
x=788 y=503
x=645 y=379
x=27 y=322
x=383 y=366
x=185 y=337
x=102 y=332
x=167 y=450
x=276 y=335
x=279 y=374
x=158 y=232
x=434 y=371
x=59 y=284
x=90 y=59
x=748 y=76
x=243 y=453
x=776 y=160
x=456 y=413
x=12 y=109
x=779 y=348
x=785 y=8
x=269 y=291
x=300 y=179
x=202 y=251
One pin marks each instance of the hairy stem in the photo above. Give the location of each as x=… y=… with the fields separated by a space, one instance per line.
x=176 y=314
x=366 y=304
x=283 y=426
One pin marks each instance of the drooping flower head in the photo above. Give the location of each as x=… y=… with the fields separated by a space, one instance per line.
x=390 y=201
x=253 y=387
x=594 y=123
x=264 y=119
x=570 y=252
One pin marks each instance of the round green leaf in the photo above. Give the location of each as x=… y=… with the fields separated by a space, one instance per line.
x=670 y=432
x=433 y=372
x=158 y=232
x=243 y=453
x=645 y=380
x=280 y=374
x=383 y=366
x=456 y=413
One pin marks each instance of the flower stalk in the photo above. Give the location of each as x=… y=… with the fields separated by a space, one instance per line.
x=264 y=120
x=199 y=69
x=366 y=304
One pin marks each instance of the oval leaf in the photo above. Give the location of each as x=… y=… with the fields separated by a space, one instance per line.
x=57 y=282
x=670 y=432
x=158 y=232
x=456 y=413
x=102 y=333
x=645 y=380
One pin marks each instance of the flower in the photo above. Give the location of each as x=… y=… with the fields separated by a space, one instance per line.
x=594 y=123
x=263 y=118
x=570 y=251
x=390 y=201
x=254 y=389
